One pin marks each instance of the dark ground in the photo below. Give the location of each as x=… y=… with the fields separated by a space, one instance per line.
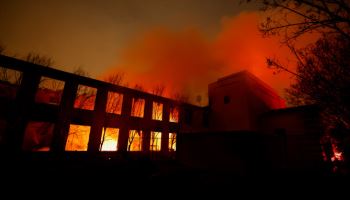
x=106 y=174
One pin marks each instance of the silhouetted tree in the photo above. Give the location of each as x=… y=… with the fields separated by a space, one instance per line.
x=158 y=90
x=81 y=72
x=291 y=19
x=323 y=78
x=39 y=59
x=139 y=87
x=116 y=78
x=319 y=64
x=323 y=68
x=294 y=18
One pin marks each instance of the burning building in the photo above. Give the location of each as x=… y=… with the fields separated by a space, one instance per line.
x=245 y=124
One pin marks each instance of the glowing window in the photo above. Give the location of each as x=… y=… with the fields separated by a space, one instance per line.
x=49 y=91
x=174 y=114
x=38 y=136
x=85 y=98
x=156 y=138
x=78 y=138
x=137 y=108
x=114 y=103
x=109 y=139
x=9 y=81
x=135 y=140
x=10 y=76
x=157 y=111
x=172 y=141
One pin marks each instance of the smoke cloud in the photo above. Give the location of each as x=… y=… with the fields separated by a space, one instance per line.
x=187 y=62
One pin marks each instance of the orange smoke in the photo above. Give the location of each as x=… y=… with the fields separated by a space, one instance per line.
x=187 y=62
x=240 y=46
x=181 y=61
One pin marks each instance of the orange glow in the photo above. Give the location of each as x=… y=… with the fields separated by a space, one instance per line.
x=114 y=103
x=156 y=138
x=135 y=140
x=78 y=138
x=186 y=61
x=173 y=59
x=85 y=98
x=172 y=142
x=174 y=114
x=109 y=139
x=138 y=107
x=157 y=111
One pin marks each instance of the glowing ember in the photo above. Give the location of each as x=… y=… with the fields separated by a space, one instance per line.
x=172 y=141
x=157 y=112
x=135 y=140
x=155 y=141
x=78 y=138
x=174 y=115
x=109 y=139
x=337 y=155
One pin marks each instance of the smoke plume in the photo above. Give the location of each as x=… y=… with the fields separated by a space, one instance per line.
x=187 y=62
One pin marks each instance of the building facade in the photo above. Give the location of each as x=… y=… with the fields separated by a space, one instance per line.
x=245 y=125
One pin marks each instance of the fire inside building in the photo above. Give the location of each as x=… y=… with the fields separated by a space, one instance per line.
x=50 y=114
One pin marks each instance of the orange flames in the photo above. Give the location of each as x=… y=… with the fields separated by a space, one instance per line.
x=157 y=111
x=172 y=142
x=114 y=103
x=174 y=114
x=109 y=139
x=137 y=107
x=135 y=140
x=156 y=138
x=78 y=138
